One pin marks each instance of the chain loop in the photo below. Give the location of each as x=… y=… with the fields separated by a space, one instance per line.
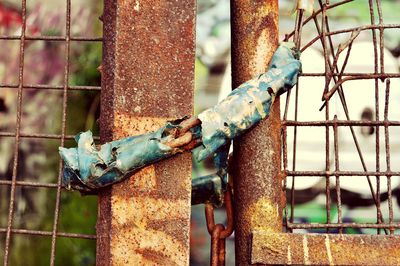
x=219 y=232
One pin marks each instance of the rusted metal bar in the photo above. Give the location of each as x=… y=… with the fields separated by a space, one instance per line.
x=341 y=225
x=339 y=123
x=324 y=249
x=316 y=13
x=377 y=129
x=52 y=87
x=257 y=187
x=279 y=248
x=67 y=46
x=352 y=74
x=337 y=178
x=362 y=28
x=297 y=40
x=387 y=151
x=328 y=70
x=47 y=233
x=28 y=184
x=53 y=38
x=341 y=173
x=39 y=135
x=148 y=73
x=11 y=210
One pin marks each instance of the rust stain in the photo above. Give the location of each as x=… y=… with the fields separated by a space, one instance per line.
x=145 y=180
x=255 y=34
x=131 y=250
x=375 y=250
x=323 y=249
x=257 y=185
x=148 y=78
x=155 y=258
x=317 y=244
x=127 y=125
x=262 y=214
x=265 y=35
x=160 y=53
x=140 y=212
x=275 y=248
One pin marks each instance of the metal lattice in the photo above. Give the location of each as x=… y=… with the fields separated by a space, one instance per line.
x=16 y=182
x=337 y=82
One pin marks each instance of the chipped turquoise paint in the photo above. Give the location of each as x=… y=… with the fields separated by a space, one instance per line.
x=87 y=168
x=249 y=103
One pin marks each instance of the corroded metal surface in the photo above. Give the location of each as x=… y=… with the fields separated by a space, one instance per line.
x=219 y=232
x=324 y=249
x=148 y=74
x=257 y=190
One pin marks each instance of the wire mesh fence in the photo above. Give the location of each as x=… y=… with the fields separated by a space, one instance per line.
x=49 y=90
x=346 y=155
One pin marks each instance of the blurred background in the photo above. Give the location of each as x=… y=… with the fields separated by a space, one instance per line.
x=38 y=160
x=42 y=114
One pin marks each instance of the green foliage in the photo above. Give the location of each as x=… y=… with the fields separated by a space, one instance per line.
x=86 y=60
x=78 y=214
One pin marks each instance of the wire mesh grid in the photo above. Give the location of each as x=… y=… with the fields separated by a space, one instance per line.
x=338 y=128
x=16 y=181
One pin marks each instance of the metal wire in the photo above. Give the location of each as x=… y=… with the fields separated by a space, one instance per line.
x=66 y=40
x=331 y=125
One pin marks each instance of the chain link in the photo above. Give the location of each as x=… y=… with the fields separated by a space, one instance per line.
x=219 y=232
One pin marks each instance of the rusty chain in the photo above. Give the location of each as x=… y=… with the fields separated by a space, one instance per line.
x=219 y=232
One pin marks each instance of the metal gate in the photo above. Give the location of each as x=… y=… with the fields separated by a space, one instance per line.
x=43 y=102
x=148 y=78
x=353 y=138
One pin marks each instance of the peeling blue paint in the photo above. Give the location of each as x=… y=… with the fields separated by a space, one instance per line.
x=88 y=167
x=249 y=103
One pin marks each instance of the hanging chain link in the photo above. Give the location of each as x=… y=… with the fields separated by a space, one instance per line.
x=219 y=232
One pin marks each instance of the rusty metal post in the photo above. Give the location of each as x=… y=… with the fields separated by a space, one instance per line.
x=257 y=185
x=324 y=249
x=148 y=74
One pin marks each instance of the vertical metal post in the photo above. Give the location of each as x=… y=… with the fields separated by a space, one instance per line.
x=148 y=74
x=257 y=184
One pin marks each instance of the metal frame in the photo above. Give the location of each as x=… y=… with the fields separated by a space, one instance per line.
x=17 y=135
x=339 y=77
x=256 y=154
x=259 y=197
x=270 y=247
x=147 y=79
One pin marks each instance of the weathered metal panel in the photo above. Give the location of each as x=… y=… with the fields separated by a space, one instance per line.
x=257 y=186
x=324 y=249
x=148 y=74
